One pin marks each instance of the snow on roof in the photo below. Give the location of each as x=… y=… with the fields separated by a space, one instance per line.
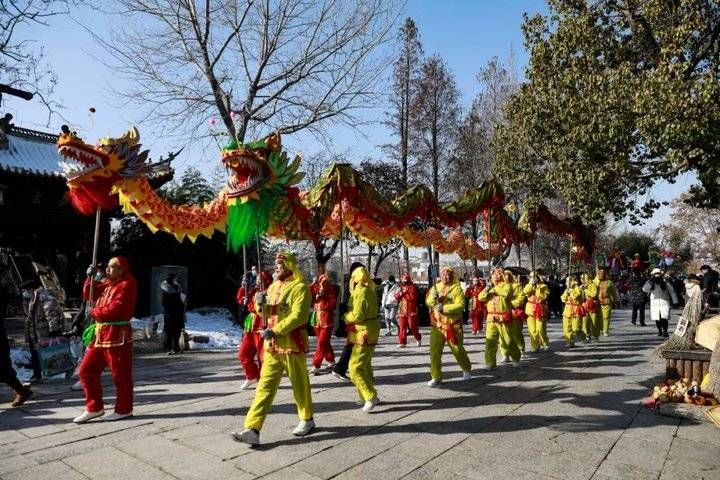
x=30 y=152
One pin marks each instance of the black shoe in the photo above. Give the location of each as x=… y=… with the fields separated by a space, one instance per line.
x=633 y=323
x=643 y=324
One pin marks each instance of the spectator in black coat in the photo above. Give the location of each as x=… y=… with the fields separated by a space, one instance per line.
x=174 y=313
x=710 y=286
x=638 y=298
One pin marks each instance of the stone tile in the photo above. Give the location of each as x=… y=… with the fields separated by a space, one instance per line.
x=179 y=460
x=625 y=471
x=699 y=432
x=52 y=470
x=290 y=473
x=11 y=436
x=11 y=464
x=378 y=467
x=111 y=463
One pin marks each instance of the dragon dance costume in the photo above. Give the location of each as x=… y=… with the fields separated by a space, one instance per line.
x=324 y=302
x=287 y=311
x=592 y=321
x=363 y=330
x=536 y=310
x=478 y=309
x=499 y=304
x=446 y=301
x=251 y=344
x=573 y=312
x=607 y=297
x=408 y=297
x=111 y=344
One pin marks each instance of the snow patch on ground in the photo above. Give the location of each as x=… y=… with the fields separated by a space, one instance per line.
x=216 y=324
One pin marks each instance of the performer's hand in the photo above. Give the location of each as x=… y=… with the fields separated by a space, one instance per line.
x=438 y=308
x=90 y=272
x=267 y=334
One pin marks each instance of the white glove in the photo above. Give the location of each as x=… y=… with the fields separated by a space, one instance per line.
x=260 y=298
x=438 y=308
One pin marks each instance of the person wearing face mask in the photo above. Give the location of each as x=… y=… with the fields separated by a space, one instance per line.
x=637 y=297
x=111 y=343
x=287 y=308
x=407 y=297
x=662 y=297
x=45 y=320
x=446 y=301
x=498 y=297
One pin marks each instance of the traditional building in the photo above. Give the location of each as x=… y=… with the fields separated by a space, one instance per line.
x=36 y=219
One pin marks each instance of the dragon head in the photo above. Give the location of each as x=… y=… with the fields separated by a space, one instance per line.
x=249 y=167
x=260 y=176
x=91 y=170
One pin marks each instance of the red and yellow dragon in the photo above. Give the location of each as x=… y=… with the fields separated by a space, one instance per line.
x=261 y=197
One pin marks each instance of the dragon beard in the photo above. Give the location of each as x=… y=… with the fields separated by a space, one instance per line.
x=86 y=199
x=246 y=220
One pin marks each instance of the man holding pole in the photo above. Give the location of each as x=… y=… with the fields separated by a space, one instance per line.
x=110 y=339
x=286 y=308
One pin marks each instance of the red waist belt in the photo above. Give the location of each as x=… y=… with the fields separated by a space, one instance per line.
x=579 y=309
x=590 y=305
x=506 y=316
x=519 y=314
x=448 y=330
x=538 y=309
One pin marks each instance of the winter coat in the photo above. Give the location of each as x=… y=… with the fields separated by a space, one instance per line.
x=660 y=300
x=691 y=288
x=173 y=306
x=637 y=294
x=389 y=299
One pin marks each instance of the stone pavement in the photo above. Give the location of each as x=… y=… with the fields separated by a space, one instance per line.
x=566 y=414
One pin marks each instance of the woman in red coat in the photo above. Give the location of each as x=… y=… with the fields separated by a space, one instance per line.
x=324 y=296
x=111 y=345
x=408 y=297
x=251 y=344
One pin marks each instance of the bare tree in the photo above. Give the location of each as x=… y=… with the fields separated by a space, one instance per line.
x=405 y=78
x=434 y=119
x=259 y=65
x=474 y=155
x=22 y=65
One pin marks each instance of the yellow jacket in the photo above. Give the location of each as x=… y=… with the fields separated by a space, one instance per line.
x=607 y=293
x=537 y=296
x=572 y=298
x=453 y=301
x=288 y=310
x=363 y=324
x=499 y=301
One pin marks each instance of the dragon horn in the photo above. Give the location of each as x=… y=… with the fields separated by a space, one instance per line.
x=131 y=137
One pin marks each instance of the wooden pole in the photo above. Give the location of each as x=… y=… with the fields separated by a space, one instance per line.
x=96 y=241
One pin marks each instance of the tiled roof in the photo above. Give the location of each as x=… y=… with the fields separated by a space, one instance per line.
x=31 y=152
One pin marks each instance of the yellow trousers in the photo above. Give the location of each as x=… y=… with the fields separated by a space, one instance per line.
x=592 y=325
x=361 y=372
x=537 y=328
x=605 y=312
x=437 y=345
x=270 y=375
x=516 y=336
x=499 y=332
x=568 y=330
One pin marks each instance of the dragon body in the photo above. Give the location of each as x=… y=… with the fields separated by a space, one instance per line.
x=262 y=197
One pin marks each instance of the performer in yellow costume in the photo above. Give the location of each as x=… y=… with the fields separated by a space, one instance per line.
x=517 y=314
x=536 y=309
x=591 y=322
x=499 y=316
x=446 y=301
x=363 y=329
x=287 y=309
x=573 y=313
x=607 y=295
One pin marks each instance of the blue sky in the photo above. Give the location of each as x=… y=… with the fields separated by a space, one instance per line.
x=467 y=34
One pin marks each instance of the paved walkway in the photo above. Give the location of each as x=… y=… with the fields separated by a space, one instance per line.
x=567 y=414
